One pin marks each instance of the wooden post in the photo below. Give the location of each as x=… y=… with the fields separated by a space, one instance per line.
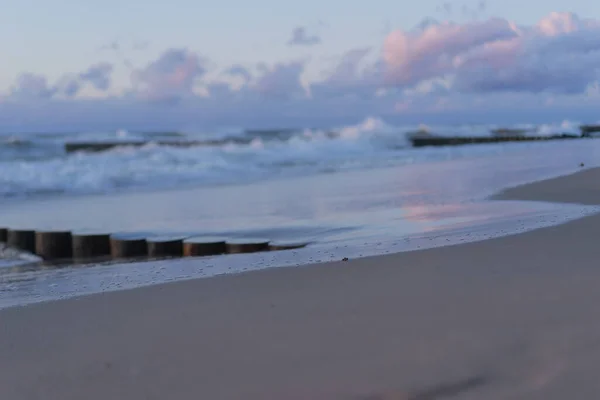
x=22 y=239
x=90 y=245
x=285 y=245
x=203 y=246
x=52 y=245
x=165 y=246
x=3 y=234
x=128 y=246
x=247 y=245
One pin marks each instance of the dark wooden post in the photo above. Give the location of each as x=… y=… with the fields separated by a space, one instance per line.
x=52 y=245
x=203 y=246
x=285 y=245
x=90 y=245
x=22 y=239
x=165 y=246
x=128 y=246
x=247 y=245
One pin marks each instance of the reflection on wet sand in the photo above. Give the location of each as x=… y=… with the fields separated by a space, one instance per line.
x=388 y=233
x=435 y=392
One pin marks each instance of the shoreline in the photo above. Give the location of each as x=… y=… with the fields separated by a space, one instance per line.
x=506 y=318
x=571 y=188
x=495 y=216
x=33 y=284
x=304 y=199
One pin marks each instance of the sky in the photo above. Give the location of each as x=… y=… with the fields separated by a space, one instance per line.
x=184 y=64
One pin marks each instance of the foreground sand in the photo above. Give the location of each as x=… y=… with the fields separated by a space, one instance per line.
x=509 y=318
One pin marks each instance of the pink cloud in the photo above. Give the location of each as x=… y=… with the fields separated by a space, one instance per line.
x=439 y=69
x=172 y=76
x=412 y=57
x=558 y=23
x=560 y=54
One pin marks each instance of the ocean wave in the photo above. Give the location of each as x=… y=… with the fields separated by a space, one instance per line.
x=15 y=141
x=38 y=164
x=162 y=166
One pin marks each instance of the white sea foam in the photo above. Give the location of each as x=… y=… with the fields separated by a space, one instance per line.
x=568 y=127
x=38 y=164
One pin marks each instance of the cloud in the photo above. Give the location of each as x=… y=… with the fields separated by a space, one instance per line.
x=491 y=69
x=411 y=57
x=68 y=86
x=281 y=80
x=560 y=54
x=29 y=86
x=239 y=70
x=445 y=8
x=171 y=77
x=300 y=37
x=99 y=75
x=467 y=10
x=117 y=46
x=112 y=46
x=32 y=86
x=350 y=77
x=474 y=12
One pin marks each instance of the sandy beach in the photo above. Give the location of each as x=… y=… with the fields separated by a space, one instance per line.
x=507 y=318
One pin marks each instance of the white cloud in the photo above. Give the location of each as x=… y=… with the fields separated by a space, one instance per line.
x=171 y=77
x=301 y=37
x=29 y=86
x=412 y=57
x=32 y=86
x=484 y=69
x=99 y=75
x=281 y=80
x=560 y=54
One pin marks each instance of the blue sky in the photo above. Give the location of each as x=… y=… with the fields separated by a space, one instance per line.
x=54 y=39
x=56 y=36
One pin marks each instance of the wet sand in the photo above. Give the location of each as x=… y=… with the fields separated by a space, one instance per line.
x=508 y=318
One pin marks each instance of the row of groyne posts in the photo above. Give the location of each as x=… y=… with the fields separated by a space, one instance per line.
x=66 y=245
x=418 y=138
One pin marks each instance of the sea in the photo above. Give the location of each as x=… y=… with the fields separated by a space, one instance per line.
x=349 y=191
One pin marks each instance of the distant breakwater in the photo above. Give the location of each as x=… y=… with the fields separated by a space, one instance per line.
x=177 y=140
x=419 y=138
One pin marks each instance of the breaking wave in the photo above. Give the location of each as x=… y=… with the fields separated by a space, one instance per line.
x=38 y=163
